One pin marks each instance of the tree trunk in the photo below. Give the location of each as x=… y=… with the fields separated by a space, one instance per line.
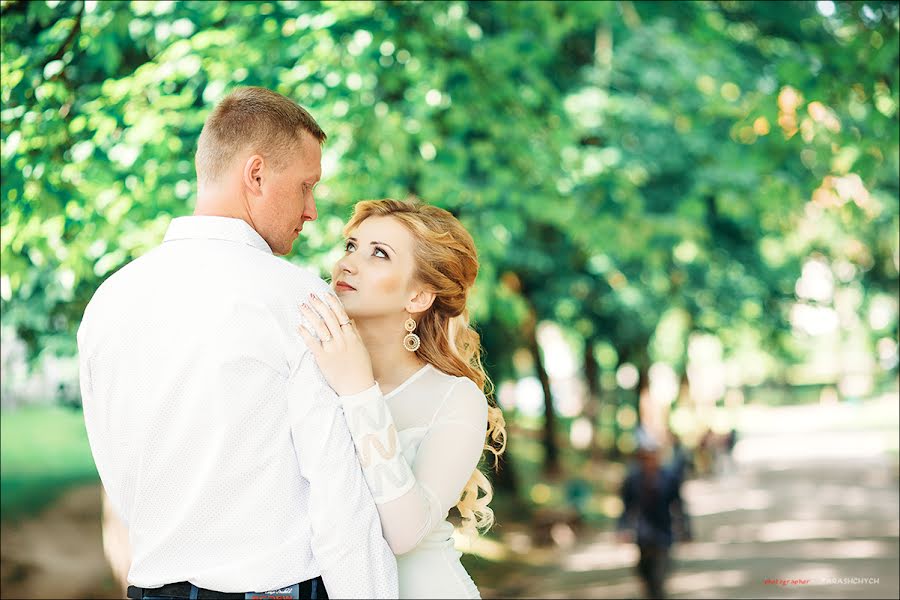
x=505 y=478
x=684 y=389
x=594 y=400
x=551 y=449
x=645 y=409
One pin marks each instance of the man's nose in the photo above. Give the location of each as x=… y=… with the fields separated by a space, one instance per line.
x=311 y=213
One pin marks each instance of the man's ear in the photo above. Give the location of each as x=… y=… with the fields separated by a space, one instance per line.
x=421 y=302
x=253 y=174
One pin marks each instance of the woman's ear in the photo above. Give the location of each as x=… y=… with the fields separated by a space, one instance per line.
x=421 y=302
x=253 y=172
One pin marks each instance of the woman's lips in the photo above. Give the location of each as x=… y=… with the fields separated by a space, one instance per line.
x=340 y=285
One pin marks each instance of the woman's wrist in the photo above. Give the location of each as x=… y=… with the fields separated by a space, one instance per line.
x=363 y=394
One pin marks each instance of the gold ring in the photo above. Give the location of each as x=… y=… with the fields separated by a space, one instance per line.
x=344 y=323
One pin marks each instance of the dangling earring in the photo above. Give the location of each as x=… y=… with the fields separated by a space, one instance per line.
x=411 y=341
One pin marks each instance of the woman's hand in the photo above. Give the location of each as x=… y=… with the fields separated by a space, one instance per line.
x=339 y=351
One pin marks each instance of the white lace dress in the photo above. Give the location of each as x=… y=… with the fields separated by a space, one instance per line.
x=418 y=446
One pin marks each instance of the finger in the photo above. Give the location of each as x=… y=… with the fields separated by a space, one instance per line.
x=338 y=308
x=327 y=314
x=352 y=327
x=309 y=339
x=316 y=322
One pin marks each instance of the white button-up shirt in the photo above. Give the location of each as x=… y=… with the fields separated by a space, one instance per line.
x=216 y=437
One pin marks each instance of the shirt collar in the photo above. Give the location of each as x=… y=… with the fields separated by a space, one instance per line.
x=215 y=228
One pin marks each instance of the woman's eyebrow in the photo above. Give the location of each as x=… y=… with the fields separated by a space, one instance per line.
x=383 y=244
x=353 y=239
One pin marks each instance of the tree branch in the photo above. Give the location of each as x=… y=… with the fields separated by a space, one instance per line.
x=76 y=29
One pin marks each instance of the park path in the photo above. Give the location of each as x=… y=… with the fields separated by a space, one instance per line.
x=818 y=505
x=800 y=503
x=59 y=553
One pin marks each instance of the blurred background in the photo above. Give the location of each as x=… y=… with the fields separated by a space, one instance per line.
x=687 y=219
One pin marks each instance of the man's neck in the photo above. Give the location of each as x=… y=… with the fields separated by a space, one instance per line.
x=218 y=201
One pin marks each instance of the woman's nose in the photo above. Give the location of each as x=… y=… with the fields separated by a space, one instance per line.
x=346 y=265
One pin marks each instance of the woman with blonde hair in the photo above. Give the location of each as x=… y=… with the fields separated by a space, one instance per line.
x=398 y=350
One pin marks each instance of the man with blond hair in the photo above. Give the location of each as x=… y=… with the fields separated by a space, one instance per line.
x=218 y=442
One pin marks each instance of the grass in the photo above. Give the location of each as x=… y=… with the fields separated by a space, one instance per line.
x=43 y=452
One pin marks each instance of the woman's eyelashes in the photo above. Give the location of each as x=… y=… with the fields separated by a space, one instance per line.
x=376 y=251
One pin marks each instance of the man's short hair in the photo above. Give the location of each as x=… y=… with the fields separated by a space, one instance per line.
x=256 y=118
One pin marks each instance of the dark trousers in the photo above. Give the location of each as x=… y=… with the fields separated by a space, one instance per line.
x=653 y=567
x=312 y=589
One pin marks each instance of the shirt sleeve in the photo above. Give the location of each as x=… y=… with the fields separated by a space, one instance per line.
x=413 y=499
x=93 y=424
x=347 y=540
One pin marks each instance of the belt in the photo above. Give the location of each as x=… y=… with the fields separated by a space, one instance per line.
x=181 y=589
x=311 y=588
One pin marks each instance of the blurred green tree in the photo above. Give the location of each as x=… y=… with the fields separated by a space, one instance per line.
x=620 y=165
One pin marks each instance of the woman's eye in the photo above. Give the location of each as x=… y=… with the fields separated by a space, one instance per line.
x=349 y=246
x=379 y=253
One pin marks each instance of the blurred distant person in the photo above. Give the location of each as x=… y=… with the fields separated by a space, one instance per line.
x=681 y=461
x=221 y=447
x=654 y=515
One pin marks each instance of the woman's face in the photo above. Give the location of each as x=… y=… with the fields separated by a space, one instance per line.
x=375 y=276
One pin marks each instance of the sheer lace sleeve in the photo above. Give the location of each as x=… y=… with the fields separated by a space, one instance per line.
x=413 y=499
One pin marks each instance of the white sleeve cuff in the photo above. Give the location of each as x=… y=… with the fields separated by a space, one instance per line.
x=362 y=397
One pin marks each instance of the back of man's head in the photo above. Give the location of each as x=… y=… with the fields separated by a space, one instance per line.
x=252 y=118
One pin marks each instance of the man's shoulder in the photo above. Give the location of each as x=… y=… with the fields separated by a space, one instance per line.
x=118 y=290
x=123 y=277
x=292 y=277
